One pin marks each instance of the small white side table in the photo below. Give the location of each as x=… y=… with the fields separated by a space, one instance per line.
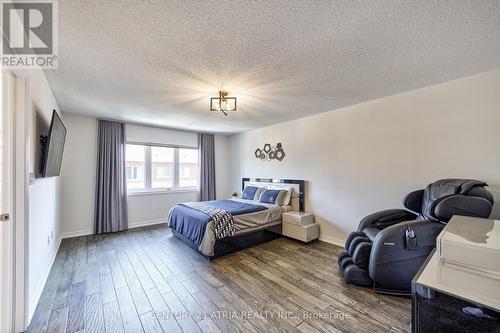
x=300 y=226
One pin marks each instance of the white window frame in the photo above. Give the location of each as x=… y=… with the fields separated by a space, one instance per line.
x=148 y=176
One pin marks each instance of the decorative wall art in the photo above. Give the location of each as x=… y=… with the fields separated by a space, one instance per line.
x=271 y=153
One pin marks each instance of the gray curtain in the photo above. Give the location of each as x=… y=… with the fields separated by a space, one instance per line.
x=207 y=166
x=111 y=183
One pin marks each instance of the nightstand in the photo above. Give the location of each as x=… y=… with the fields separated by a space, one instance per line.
x=300 y=226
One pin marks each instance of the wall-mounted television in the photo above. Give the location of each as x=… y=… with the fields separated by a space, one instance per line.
x=53 y=147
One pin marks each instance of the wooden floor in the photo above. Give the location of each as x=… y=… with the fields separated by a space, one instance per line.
x=147 y=280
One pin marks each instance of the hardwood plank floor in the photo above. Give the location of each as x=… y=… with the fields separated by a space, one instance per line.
x=146 y=280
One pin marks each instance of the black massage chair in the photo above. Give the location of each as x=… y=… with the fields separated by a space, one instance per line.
x=391 y=245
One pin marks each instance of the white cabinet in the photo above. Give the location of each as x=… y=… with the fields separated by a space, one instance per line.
x=300 y=226
x=298 y=218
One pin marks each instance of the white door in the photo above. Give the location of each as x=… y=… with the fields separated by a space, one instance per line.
x=6 y=201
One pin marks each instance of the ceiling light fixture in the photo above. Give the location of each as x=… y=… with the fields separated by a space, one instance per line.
x=223 y=103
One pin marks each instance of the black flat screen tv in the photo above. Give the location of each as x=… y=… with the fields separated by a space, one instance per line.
x=53 y=147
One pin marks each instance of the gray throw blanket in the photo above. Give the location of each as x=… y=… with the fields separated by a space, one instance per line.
x=223 y=221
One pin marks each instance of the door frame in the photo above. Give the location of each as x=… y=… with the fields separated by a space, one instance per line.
x=7 y=259
x=20 y=205
x=22 y=148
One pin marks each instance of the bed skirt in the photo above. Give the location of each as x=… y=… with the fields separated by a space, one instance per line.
x=238 y=242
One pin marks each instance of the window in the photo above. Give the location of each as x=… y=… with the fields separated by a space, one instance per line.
x=185 y=171
x=162 y=172
x=132 y=173
x=136 y=161
x=188 y=167
x=162 y=165
x=160 y=168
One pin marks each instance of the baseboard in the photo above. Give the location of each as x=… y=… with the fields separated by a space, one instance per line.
x=132 y=225
x=78 y=233
x=332 y=240
x=146 y=223
x=41 y=284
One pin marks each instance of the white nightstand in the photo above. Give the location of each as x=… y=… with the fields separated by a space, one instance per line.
x=300 y=225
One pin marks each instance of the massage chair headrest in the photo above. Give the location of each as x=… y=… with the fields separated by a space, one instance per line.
x=447 y=197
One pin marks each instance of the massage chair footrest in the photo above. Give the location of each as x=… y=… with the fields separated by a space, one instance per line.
x=352 y=273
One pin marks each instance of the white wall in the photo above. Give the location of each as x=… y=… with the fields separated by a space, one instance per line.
x=147 y=209
x=364 y=158
x=78 y=174
x=44 y=194
x=222 y=167
x=145 y=134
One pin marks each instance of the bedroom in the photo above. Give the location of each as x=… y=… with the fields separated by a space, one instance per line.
x=334 y=111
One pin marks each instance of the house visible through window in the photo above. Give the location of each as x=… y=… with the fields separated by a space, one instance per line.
x=159 y=168
x=162 y=172
x=135 y=164
x=162 y=167
x=185 y=171
x=132 y=173
x=188 y=167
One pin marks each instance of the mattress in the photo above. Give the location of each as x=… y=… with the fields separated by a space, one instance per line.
x=260 y=218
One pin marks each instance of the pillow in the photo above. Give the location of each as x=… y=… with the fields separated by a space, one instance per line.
x=276 y=197
x=259 y=192
x=251 y=193
x=288 y=190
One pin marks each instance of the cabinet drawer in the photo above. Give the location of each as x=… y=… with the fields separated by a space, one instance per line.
x=305 y=233
x=298 y=218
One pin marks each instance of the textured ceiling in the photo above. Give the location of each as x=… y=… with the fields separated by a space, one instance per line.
x=158 y=62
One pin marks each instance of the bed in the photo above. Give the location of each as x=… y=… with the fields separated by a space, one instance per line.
x=219 y=227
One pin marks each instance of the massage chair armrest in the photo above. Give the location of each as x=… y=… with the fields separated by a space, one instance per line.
x=458 y=204
x=386 y=218
x=393 y=256
x=391 y=241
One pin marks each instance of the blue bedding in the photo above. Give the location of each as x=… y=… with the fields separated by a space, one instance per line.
x=192 y=223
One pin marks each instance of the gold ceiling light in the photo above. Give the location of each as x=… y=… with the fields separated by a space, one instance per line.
x=223 y=103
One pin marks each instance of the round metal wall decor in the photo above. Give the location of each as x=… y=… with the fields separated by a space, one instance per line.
x=269 y=152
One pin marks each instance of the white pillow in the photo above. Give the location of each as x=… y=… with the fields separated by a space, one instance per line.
x=288 y=190
x=259 y=191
